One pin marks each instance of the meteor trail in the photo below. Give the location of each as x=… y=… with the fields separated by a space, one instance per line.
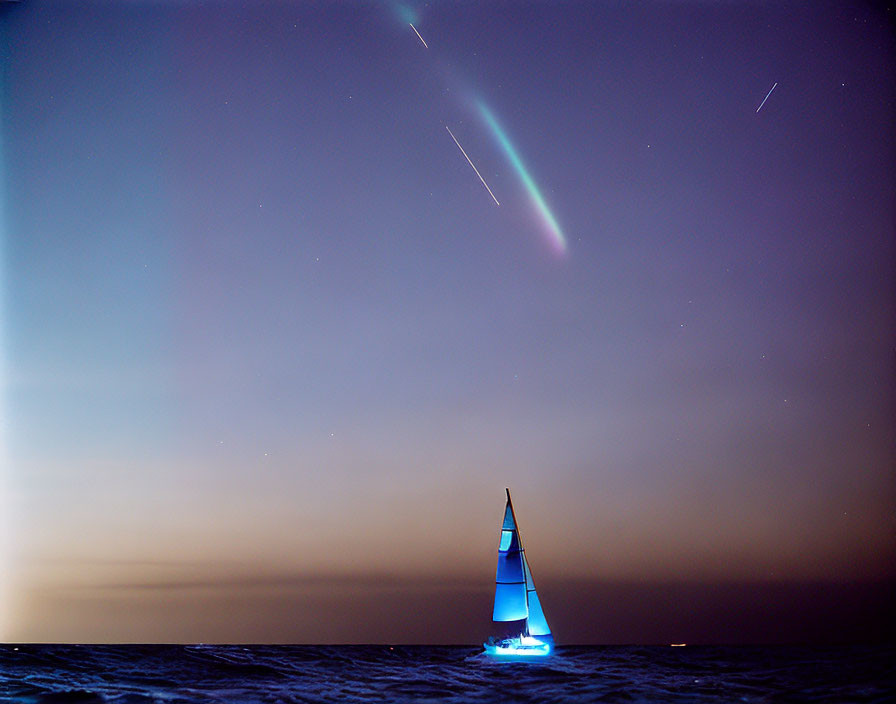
x=418 y=35
x=766 y=97
x=472 y=164
x=557 y=238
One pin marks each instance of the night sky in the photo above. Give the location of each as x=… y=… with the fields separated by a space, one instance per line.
x=272 y=351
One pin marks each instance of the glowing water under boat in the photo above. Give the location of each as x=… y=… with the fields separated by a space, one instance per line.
x=516 y=598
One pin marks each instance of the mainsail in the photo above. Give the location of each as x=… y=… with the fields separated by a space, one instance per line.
x=515 y=595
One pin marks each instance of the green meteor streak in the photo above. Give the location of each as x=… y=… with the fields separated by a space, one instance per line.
x=559 y=241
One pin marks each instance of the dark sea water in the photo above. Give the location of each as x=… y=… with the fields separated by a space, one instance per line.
x=214 y=673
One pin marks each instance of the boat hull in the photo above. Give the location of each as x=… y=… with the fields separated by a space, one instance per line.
x=517 y=648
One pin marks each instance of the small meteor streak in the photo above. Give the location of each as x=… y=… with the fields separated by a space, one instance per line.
x=418 y=35
x=473 y=165
x=766 y=97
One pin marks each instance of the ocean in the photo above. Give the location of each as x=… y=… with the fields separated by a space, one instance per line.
x=173 y=674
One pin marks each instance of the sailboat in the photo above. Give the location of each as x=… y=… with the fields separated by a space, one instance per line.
x=517 y=613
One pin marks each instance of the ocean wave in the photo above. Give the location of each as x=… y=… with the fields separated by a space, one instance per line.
x=174 y=674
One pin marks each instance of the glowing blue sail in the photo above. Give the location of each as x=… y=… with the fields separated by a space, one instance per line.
x=510 y=580
x=537 y=624
x=515 y=595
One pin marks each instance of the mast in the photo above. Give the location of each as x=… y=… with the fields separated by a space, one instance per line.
x=527 y=575
x=536 y=623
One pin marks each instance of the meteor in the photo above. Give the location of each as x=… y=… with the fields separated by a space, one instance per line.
x=418 y=35
x=766 y=97
x=558 y=240
x=473 y=165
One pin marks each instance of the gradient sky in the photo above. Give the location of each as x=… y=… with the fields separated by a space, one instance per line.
x=272 y=352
